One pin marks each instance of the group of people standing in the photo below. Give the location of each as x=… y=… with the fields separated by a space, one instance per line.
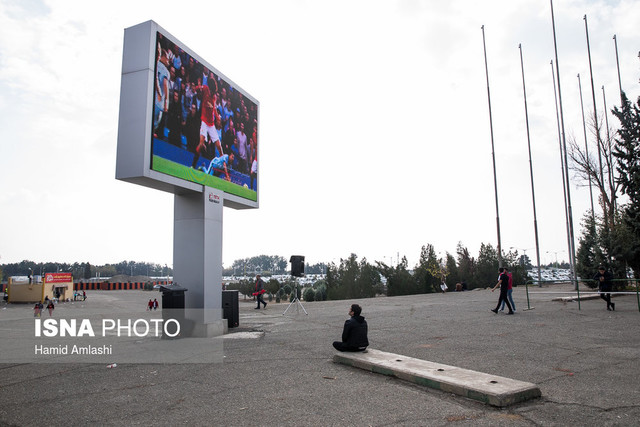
x=37 y=310
x=79 y=296
x=152 y=305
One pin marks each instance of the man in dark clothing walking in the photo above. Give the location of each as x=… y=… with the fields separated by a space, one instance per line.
x=603 y=278
x=503 y=282
x=259 y=291
x=354 y=334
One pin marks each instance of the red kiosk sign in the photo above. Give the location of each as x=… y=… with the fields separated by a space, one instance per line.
x=58 y=277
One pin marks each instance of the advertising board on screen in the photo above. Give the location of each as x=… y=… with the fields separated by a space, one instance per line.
x=183 y=124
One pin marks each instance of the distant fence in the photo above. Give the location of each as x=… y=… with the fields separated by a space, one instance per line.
x=115 y=286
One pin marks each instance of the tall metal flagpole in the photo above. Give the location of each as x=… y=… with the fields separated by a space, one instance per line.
x=610 y=168
x=564 y=179
x=595 y=115
x=615 y=42
x=572 y=259
x=493 y=155
x=533 y=193
x=586 y=149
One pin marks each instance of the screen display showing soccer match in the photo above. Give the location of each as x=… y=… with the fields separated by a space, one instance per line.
x=183 y=125
x=205 y=130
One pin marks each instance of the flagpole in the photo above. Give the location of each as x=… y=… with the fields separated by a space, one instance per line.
x=610 y=168
x=571 y=239
x=586 y=150
x=615 y=42
x=564 y=179
x=595 y=116
x=533 y=193
x=493 y=155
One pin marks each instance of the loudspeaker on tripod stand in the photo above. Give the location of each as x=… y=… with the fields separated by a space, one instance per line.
x=297 y=265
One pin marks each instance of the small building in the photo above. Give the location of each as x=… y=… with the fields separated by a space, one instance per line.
x=53 y=285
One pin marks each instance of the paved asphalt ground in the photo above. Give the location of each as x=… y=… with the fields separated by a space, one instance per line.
x=584 y=361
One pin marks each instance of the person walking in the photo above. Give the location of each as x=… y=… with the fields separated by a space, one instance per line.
x=604 y=278
x=509 y=291
x=50 y=307
x=259 y=291
x=503 y=284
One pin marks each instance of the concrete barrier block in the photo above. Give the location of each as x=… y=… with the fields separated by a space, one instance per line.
x=490 y=389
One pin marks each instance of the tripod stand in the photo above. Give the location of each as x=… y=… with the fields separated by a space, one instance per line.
x=296 y=301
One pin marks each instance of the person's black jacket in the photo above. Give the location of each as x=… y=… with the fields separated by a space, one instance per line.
x=355 y=332
x=605 y=285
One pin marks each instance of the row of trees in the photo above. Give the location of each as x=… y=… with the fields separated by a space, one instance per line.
x=360 y=279
x=353 y=278
x=265 y=264
x=85 y=270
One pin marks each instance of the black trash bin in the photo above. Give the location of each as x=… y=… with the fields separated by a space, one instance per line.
x=173 y=308
x=230 y=308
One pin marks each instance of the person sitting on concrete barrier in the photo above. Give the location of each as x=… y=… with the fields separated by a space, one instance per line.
x=354 y=334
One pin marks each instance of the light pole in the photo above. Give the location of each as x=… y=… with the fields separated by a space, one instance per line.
x=520 y=249
x=556 y=253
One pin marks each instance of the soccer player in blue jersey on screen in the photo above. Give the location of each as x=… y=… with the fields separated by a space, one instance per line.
x=221 y=164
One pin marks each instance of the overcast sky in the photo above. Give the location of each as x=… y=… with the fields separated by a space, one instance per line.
x=374 y=133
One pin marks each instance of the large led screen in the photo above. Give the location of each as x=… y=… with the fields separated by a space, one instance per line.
x=184 y=125
x=204 y=129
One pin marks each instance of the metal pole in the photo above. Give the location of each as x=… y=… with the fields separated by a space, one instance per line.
x=586 y=150
x=564 y=179
x=610 y=157
x=533 y=193
x=566 y=163
x=595 y=117
x=615 y=42
x=493 y=155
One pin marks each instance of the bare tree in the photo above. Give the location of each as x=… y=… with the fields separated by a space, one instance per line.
x=597 y=167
